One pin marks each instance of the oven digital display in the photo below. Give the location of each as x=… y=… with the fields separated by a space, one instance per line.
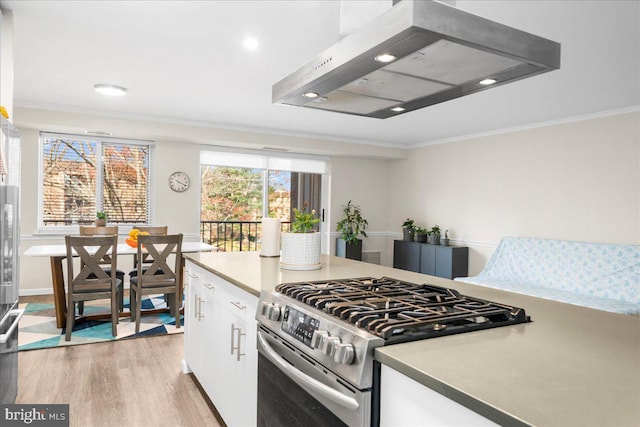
x=299 y=325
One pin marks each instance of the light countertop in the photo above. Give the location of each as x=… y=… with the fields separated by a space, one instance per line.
x=571 y=366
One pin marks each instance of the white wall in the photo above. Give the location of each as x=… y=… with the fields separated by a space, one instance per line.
x=366 y=183
x=574 y=181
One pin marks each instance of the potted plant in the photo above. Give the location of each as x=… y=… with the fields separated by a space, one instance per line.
x=421 y=235
x=101 y=219
x=352 y=224
x=301 y=246
x=408 y=229
x=445 y=240
x=435 y=235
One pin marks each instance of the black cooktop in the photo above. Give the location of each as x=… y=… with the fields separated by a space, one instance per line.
x=400 y=311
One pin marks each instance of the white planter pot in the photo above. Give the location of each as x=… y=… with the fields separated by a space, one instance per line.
x=300 y=251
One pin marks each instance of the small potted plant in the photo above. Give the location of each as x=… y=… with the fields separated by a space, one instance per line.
x=352 y=225
x=445 y=241
x=101 y=219
x=435 y=235
x=301 y=246
x=421 y=235
x=408 y=229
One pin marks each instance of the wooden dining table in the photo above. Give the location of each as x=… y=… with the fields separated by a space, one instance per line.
x=57 y=253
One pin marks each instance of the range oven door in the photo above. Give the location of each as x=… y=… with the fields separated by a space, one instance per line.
x=294 y=390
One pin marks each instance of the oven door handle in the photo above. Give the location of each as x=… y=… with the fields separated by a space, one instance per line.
x=18 y=313
x=305 y=380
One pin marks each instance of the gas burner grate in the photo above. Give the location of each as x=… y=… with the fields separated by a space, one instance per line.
x=400 y=311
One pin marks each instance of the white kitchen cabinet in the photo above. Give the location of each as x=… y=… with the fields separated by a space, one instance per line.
x=222 y=330
x=192 y=322
x=405 y=402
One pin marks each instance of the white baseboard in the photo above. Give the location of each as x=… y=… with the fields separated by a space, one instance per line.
x=40 y=291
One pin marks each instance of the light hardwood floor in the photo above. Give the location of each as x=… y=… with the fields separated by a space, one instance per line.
x=134 y=382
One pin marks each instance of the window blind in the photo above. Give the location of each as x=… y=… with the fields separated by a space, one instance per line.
x=258 y=160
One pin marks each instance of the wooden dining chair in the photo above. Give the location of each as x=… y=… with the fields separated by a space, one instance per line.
x=153 y=230
x=104 y=231
x=159 y=276
x=92 y=282
x=158 y=230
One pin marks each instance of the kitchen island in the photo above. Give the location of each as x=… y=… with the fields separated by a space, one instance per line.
x=570 y=366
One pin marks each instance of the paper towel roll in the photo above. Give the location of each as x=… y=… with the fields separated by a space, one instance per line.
x=270 y=245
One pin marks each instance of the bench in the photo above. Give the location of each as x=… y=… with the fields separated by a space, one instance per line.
x=597 y=275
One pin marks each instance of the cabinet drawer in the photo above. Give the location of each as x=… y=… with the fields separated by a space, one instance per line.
x=238 y=302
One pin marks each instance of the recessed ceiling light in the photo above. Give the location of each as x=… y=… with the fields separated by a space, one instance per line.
x=398 y=109
x=251 y=43
x=310 y=95
x=385 y=57
x=487 y=82
x=111 y=90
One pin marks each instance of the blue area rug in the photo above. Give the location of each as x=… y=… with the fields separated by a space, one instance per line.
x=38 y=325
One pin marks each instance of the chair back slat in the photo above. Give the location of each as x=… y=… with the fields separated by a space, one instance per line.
x=91 y=251
x=158 y=249
x=87 y=230
x=153 y=230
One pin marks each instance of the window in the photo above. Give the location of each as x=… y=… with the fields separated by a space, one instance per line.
x=83 y=175
x=239 y=188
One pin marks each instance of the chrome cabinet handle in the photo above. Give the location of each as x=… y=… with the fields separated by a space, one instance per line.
x=233 y=330
x=208 y=285
x=193 y=276
x=238 y=347
x=200 y=315
x=239 y=305
x=196 y=307
x=240 y=335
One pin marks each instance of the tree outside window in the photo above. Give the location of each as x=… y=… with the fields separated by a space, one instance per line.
x=83 y=176
x=232 y=204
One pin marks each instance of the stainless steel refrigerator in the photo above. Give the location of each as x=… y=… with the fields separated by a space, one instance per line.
x=10 y=313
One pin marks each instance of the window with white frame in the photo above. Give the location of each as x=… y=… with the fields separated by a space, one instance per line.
x=83 y=175
x=240 y=187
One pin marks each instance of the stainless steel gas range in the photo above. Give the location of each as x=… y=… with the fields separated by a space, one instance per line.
x=316 y=342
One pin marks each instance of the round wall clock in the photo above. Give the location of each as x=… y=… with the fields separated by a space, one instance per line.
x=179 y=181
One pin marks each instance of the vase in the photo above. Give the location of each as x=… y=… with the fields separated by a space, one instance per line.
x=101 y=222
x=300 y=251
x=434 y=239
x=349 y=250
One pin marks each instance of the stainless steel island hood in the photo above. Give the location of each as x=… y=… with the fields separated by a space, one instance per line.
x=416 y=54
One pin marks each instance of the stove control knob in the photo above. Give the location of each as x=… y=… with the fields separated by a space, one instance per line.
x=329 y=346
x=275 y=312
x=318 y=337
x=264 y=308
x=344 y=354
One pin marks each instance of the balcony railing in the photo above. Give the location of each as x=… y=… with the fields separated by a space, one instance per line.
x=230 y=236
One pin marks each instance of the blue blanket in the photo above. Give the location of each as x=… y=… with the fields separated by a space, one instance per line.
x=597 y=275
